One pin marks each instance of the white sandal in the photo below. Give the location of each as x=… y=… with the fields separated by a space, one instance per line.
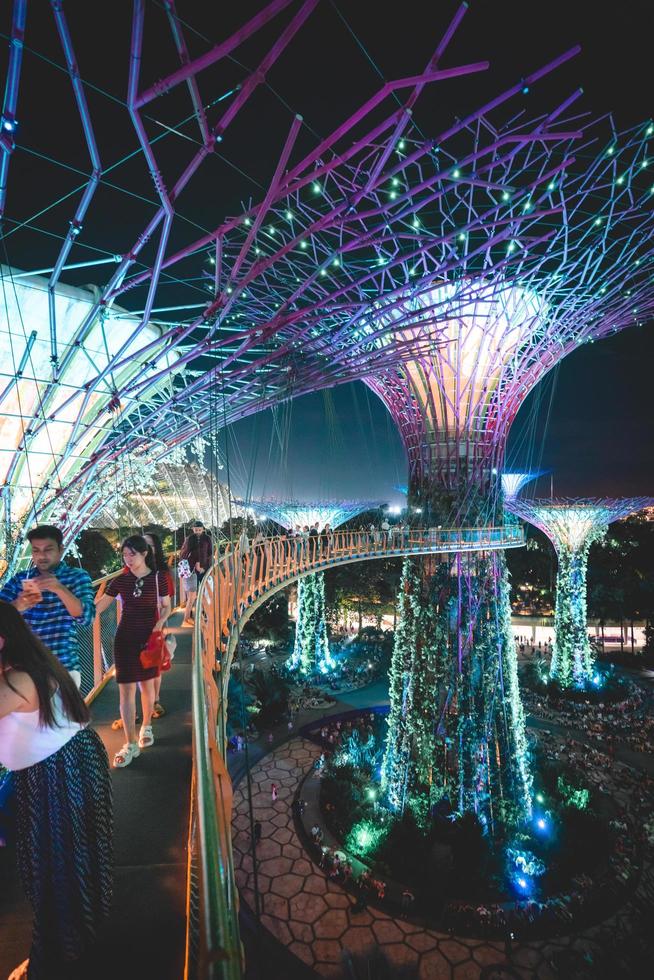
x=124 y=756
x=146 y=737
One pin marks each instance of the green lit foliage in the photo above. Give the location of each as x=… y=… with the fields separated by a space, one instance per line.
x=365 y=837
x=395 y=767
x=525 y=862
x=571 y=795
x=361 y=752
x=311 y=648
x=572 y=659
x=493 y=769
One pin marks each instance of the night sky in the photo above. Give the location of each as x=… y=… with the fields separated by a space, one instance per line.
x=590 y=421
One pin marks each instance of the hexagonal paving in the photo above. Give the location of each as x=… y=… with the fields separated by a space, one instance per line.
x=313 y=917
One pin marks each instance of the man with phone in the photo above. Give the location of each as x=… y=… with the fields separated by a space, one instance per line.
x=54 y=598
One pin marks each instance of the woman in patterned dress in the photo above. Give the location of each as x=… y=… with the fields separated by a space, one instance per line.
x=145 y=602
x=63 y=800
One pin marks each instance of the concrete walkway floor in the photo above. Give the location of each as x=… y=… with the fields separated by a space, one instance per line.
x=145 y=935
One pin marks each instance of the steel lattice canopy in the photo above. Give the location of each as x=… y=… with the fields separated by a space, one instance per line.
x=573 y=523
x=291 y=513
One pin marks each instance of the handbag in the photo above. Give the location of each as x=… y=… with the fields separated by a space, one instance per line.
x=184 y=569
x=160 y=648
x=154 y=652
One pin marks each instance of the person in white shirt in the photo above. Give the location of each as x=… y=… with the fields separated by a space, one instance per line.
x=64 y=817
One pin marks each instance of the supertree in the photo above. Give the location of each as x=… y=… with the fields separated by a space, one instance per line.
x=572 y=525
x=311 y=647
x=586 y=276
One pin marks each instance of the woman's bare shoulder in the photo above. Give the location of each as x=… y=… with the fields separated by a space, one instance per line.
x=17 y=692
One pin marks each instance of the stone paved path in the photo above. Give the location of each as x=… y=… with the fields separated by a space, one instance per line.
x=312 y=916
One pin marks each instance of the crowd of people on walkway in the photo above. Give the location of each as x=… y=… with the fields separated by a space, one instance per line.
x=55 y=768
x=58 y=764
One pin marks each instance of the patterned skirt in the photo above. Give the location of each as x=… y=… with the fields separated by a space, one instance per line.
x=64 y=823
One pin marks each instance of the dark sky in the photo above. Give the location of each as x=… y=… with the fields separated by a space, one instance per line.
x=598 y=437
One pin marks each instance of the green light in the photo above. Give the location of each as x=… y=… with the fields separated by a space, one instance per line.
x=462 y=237
x=510 y=247
x=323 y=272
x=643 y=164
x=271 y=229
x=551 y=186
x=393 y=195
x=303 y=245
x=416 y=223
x=381 y=260
x=610 y=151
x=364 y=837
x=456 y=174
x=598 y=221
x=401 y=145
x=527 y=206
x=506 y=196
x=229 y=289
x=540 y=798
x=620 y=180
x=650 y=130
x=371 y=794
x=336 y=262
x=257 y=251
x=651 y=190
x=316 y=187
x=395 y=182
x=247 y=222
x=289 y=215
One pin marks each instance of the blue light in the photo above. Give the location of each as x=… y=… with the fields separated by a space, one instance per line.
x=9 y=125
x=597 y=680
x=522 y=882
x=541 y=823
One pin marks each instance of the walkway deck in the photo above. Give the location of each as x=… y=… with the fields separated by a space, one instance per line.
x=145 y=935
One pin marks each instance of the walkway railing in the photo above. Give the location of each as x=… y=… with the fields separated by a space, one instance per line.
x=96 y=643
x=239 y=581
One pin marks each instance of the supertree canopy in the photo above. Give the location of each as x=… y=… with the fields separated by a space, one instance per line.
x=572 y=526
x=311 y=646
x=512 y=483
x=294 y=513
x=279 y=297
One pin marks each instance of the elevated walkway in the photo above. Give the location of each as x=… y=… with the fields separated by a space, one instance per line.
x=243 y=579
x=146 y=933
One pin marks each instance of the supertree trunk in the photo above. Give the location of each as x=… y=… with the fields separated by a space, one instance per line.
x=483 y=717
x=311 y=648
x=572 y=659
x=408 y=772
x=397 y=755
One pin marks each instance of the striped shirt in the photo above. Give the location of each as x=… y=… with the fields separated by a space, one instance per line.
x=50 y=619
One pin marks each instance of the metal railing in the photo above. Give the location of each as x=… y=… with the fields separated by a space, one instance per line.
x=214 y=949
x=240 y=580
x=96 y=648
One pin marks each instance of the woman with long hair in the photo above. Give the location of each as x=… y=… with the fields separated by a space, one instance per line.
x=161 y=565
x=145 y=601
x=63 y=799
